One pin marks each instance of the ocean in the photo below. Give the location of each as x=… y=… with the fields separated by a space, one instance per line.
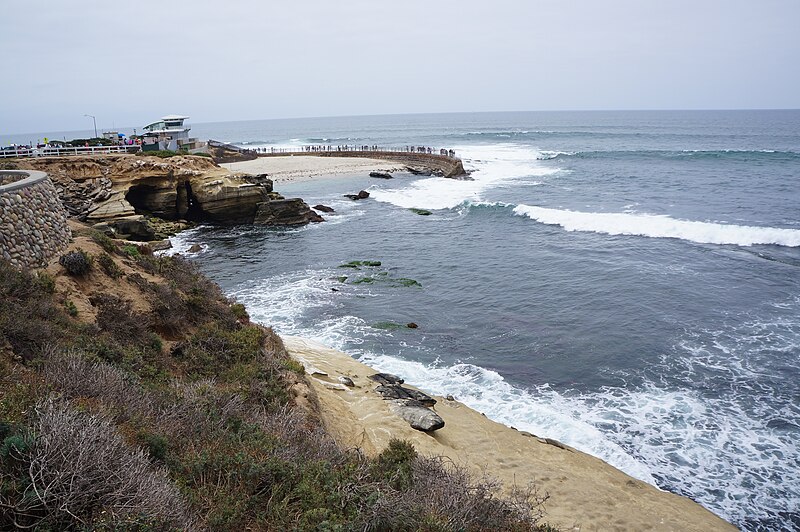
x=625 y=282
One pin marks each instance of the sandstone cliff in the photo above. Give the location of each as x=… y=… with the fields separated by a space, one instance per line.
x=113 y=188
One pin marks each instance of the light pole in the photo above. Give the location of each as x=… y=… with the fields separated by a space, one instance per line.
x=94 y=121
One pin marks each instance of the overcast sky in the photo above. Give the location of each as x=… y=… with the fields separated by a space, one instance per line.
x=130 y=62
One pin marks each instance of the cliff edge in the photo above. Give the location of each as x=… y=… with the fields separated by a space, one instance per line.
x=585 y=493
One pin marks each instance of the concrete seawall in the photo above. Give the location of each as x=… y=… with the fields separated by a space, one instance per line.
x=33 y=222
x=448 y=166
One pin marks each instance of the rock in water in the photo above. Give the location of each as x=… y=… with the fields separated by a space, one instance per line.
x=196 y=248
x=285 y=212
x=419 y=171
x=361 y=195
x=323 y=208
x=381 y=175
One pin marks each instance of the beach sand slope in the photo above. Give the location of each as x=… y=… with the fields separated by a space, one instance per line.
x=585 y=492
x=286 y=169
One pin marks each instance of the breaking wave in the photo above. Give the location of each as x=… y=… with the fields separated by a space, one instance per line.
x=660 y=226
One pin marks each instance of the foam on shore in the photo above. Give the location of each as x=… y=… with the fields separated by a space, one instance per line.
x=584 y=491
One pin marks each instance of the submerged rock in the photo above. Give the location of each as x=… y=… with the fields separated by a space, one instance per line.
x=381 y=175
x=361 y=195
x=323 y=208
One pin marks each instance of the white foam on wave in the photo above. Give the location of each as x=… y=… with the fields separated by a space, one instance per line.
x=730 y=438
x=491 y=166
x=544 y=412
x=283 y=300
x=183 y=241
x=720 y=450
x=660 y=226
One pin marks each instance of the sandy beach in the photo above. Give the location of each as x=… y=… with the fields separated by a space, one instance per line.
x=585 y=492
x=302 y=167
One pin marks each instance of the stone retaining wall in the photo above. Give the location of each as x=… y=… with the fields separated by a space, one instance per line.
x=33 y=222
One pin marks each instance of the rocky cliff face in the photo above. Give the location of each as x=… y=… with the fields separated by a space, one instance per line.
x=119 y=188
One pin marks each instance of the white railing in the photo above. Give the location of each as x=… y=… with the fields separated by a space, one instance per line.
x=59 y=152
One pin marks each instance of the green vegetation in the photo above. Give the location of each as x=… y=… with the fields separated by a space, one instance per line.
x=357 y=264
x=131 y=251
x=70 y=307
x=403 y=281
x=77 y=263
x=175 y=413
x=109 y=266
x=104 y=241
x=376 y=276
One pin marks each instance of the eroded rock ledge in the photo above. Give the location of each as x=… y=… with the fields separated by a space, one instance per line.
x=118 y=190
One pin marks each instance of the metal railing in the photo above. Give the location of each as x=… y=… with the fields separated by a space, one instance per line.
x=348 y=149
x=67 y=150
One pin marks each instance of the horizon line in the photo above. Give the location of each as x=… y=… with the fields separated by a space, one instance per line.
x=450 y=113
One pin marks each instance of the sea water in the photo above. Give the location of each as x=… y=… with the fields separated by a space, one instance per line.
x=625 y=282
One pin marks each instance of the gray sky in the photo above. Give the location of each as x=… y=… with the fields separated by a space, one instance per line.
x=130 y=62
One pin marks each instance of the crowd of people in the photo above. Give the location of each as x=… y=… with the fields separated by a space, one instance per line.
x=321 y=148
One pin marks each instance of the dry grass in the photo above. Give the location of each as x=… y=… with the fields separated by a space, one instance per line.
x=79 y=471
x=109 y=430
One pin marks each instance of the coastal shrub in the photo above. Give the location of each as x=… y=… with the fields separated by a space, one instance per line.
x=294 y=366
x=70 y=307
x=163 y=154
x=131 y=250
x=117 y=317
x=45 y=282
x=79 y=470
x=240 y=312
x=395 y=464
x=104 y=241
x=29 y=316
x=212 y=348
x=146 y=448
x=155 y=444
x=78 y=263
x=108 y=265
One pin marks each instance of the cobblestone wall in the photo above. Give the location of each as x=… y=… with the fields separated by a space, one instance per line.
x=33 y=222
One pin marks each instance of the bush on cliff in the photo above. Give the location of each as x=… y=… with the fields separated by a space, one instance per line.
x=202 y=436
x=77 y=263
